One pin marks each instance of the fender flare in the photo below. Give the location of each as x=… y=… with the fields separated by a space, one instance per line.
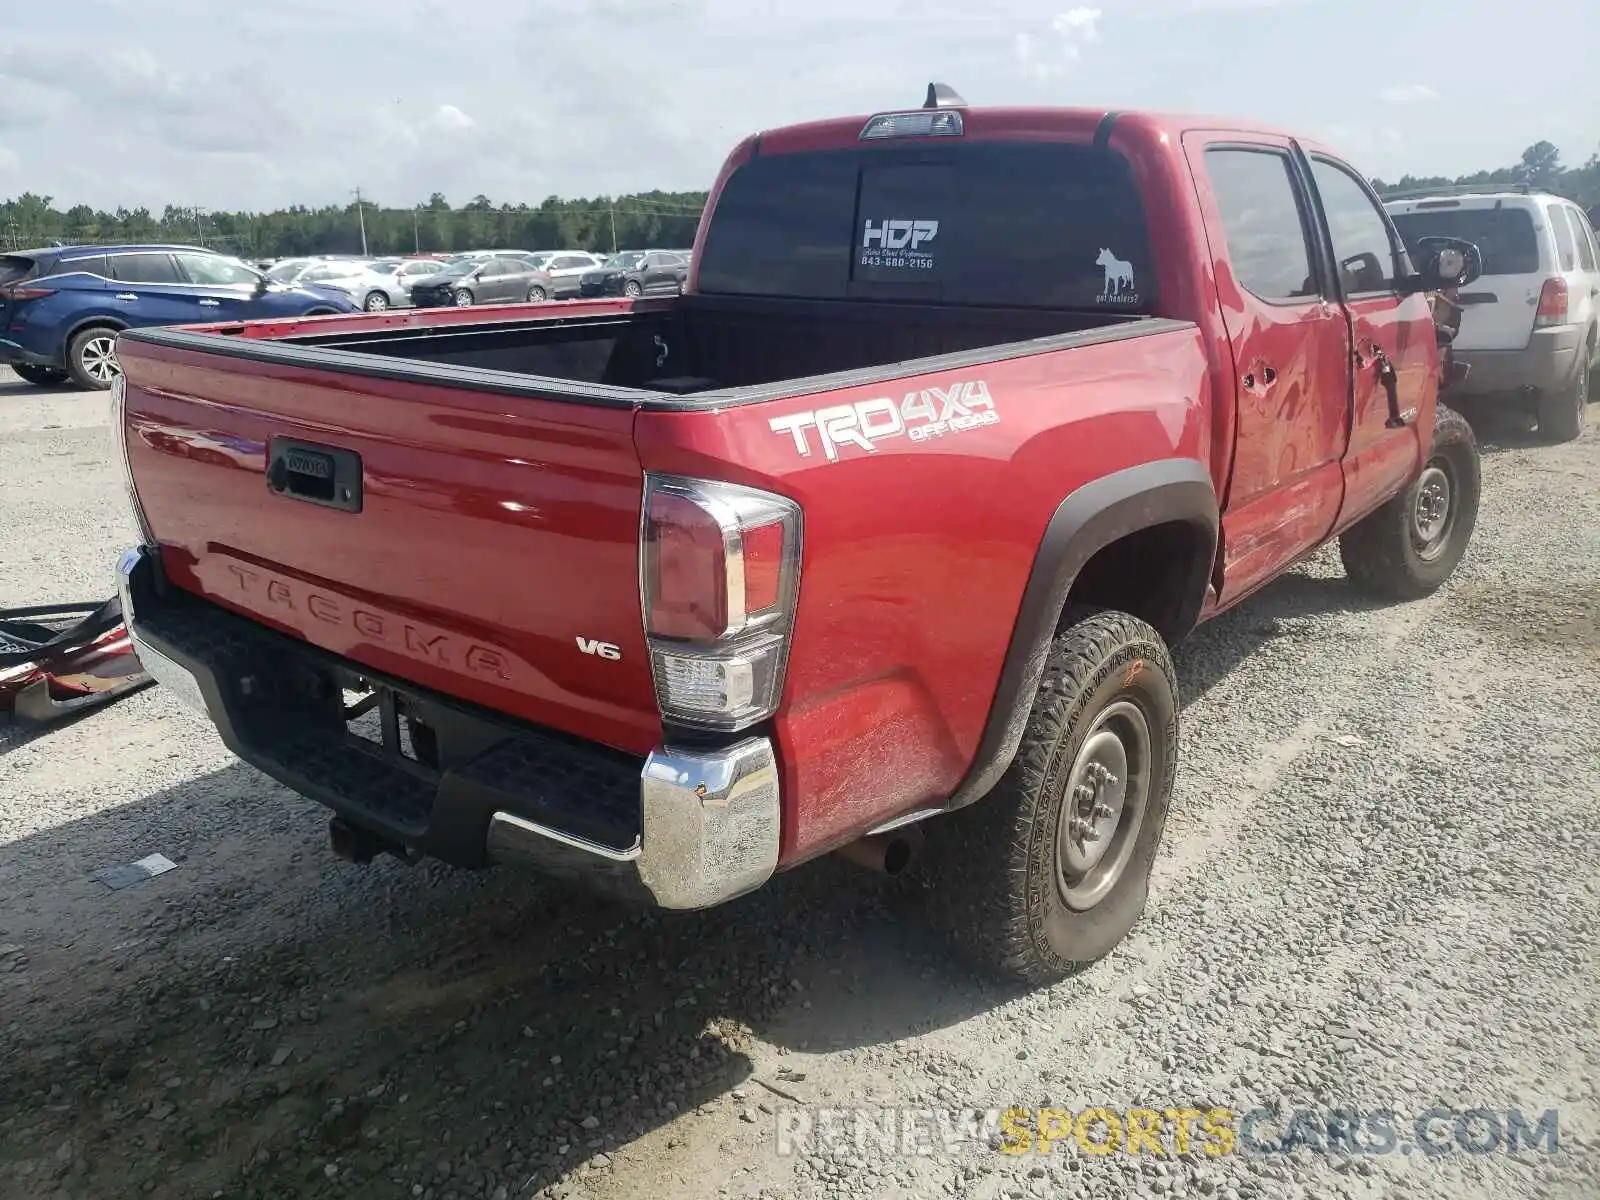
x=1088 y=520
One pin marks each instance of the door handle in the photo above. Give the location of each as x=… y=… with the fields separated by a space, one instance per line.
x=1389 y=378
x=126 y=296
x=211 y=304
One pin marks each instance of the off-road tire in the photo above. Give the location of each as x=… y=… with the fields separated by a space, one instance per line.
x=1562 y=414
x=990 y=870
x=39 y=376
x=1381 y=552
x=83 y=355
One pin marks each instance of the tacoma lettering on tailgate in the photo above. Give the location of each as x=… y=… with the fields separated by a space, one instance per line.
x=352 y=623
x=927 y=413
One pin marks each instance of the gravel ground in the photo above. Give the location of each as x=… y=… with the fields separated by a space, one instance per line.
x=1379 y=891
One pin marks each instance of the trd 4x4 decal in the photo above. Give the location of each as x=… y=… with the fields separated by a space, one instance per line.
x=927 y=413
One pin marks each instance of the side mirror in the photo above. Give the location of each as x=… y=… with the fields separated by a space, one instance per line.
x=1444 y=262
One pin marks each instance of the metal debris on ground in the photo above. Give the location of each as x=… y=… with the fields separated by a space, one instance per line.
x=129 y=874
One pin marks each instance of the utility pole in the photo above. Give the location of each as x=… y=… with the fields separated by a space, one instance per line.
x=199 y=227
x=416 y=228
x=613 y=228
x=361 y=217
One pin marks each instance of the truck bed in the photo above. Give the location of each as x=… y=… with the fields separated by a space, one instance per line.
x=611 y=353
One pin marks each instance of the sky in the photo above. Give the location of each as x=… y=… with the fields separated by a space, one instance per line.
x=267 y=103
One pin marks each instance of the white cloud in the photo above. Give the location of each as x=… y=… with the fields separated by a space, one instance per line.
x=1408 y=93
x=449 y=117
x=1047 y=56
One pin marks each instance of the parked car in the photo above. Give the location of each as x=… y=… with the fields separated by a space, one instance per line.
x=567 y=269
x=637 y=273
x=381 y=285
x=499 y=280
x=880 y=537
x=1529 y=327
x=61 y=308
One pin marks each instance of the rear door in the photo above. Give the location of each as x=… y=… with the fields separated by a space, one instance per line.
x=1498 y=309
x=1290 y=344
x=150 y=290
x=1385 y=328
x=518 y=275
x=567 y=269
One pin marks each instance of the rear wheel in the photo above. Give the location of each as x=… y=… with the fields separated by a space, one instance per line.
x=1562 y=414
x=39 y=376
x=92 y=359
x=1408 y=547
x=462 y=298
x=537 y=295
x=375 y=302
x=1048 y=872
x=633 y=289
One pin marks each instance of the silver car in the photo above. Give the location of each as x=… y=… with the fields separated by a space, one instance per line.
x=375 y=285
x=566 y=269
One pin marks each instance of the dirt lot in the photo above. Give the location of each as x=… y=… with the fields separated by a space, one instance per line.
x=1380 y=891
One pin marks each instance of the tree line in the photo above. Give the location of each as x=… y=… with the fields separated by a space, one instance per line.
x=644 y=219
x=1540 y=168
x=607 y=223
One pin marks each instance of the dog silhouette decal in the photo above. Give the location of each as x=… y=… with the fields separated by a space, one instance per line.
x=1119 y=274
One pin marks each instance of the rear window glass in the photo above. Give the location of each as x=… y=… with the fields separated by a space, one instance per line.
x=988 y=223
x=1580 y=235
x=1566 y=251
x=1504 y=236
x=13 y=268
x=144 y=268
x=94 y=264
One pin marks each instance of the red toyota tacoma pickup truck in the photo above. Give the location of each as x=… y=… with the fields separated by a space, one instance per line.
x=878 y=534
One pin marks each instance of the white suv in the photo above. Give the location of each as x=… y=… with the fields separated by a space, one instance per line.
x=1529 y=323
x=567 y=268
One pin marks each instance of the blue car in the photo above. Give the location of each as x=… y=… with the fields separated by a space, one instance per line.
x=61 y=308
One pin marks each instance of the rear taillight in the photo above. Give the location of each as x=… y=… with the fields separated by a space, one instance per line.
x=24 y=291
x=1552 y=303
x=720 y=569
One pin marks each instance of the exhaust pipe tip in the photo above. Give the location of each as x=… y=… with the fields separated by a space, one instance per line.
x=886 y=853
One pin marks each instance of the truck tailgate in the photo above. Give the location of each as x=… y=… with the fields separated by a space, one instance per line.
x=488 y=548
